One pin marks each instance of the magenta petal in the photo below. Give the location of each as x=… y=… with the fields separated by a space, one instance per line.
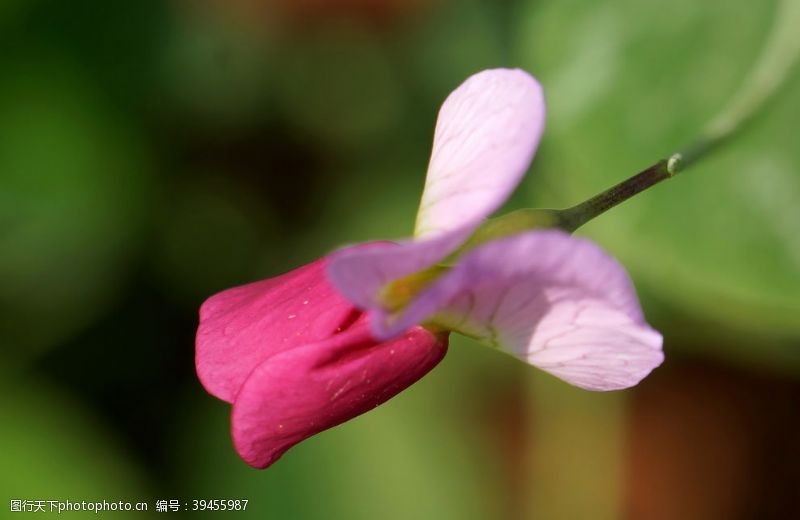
x=301 y=392
x=557 y=302
x=243 y=326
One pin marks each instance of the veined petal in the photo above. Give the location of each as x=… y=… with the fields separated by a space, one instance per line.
x=557 y=302
x=243 y=326
x=303 y=391
x=486 y=134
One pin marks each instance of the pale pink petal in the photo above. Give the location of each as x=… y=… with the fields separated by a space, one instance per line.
x=296 y=394
x=360 y=272
x=486 y=134
x=243 y=326
x=554 y=301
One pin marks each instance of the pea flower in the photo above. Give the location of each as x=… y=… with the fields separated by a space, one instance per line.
x=317 y=346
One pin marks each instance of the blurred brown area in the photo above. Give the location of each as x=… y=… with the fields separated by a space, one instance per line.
x=710 y=441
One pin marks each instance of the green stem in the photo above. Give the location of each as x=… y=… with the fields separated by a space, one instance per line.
x=576 y=216
x=572 y=218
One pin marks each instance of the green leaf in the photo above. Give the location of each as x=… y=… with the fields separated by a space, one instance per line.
x=628 y=83
x=210 y=237
x=337 y=84
x=73 y=183
x=56 y=450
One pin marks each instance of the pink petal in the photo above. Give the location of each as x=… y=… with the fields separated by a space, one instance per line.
x=486 y=134
x=243 y=326
x=557 y=302
x=301 y=392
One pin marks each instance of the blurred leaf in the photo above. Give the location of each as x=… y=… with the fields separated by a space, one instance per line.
x=337 y=83
x=55 y=450
x=210 y=235
x=628 y=83
x=375 y=197
x=456 y=40
x=380 y=202
x=11 y=9
x=575 y=468
x=217 y=66
x=73 y=180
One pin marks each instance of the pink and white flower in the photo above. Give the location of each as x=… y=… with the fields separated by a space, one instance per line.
x=304 y=351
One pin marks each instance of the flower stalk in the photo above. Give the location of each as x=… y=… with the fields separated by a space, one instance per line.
x=576 y=216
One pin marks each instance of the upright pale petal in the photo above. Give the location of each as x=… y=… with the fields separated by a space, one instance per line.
x=243 y=326
x=306 y=390
x=554 y=301
x=486 y=134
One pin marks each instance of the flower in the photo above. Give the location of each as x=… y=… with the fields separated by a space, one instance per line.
x=557 y=302
x=310 y=349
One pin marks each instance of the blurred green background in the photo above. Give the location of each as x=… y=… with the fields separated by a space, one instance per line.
x=154 y=152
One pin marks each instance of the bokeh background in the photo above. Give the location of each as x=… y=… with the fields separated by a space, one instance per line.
x=154 y=152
